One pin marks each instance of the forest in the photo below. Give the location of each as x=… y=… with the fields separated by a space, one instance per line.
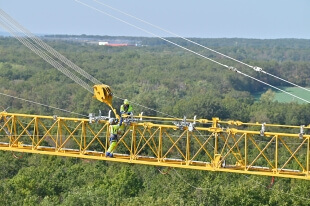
x=169 y=80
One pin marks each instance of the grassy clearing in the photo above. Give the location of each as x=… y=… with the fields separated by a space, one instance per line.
x=286 y=98
x=299 y=92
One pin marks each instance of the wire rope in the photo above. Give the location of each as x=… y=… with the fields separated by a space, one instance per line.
x=33 y=102
x=44 y=56
x=271 y=86
x=47 y=58
x=147 y=108
x=50 y=49
x=162 y=39
x=196 y=53
x=205 y=47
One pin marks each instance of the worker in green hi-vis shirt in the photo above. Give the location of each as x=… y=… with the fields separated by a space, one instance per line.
x=114 y=131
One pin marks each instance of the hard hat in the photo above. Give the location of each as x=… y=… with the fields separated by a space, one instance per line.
x=111 y=120
x=126 y=101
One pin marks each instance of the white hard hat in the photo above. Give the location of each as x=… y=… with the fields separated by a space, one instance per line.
x=111 y=120
x=126 y=101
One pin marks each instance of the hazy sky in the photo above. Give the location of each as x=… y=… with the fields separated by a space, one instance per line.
x=263 y=19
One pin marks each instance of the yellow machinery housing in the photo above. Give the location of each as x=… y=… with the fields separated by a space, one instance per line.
x=104 y=94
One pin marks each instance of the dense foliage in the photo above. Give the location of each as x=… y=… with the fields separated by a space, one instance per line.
x=164 y=79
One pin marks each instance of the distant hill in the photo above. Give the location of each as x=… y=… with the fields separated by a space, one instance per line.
x=210 y=42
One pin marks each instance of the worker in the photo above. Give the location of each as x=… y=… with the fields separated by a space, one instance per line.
x=114 y=131
x=126 y=108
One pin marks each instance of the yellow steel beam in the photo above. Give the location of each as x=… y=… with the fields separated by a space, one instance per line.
x=213 y=145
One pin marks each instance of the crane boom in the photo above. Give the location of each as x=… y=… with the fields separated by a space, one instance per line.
x=211 y=145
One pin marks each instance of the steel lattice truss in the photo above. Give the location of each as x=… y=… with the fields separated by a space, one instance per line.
x=213 y=145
